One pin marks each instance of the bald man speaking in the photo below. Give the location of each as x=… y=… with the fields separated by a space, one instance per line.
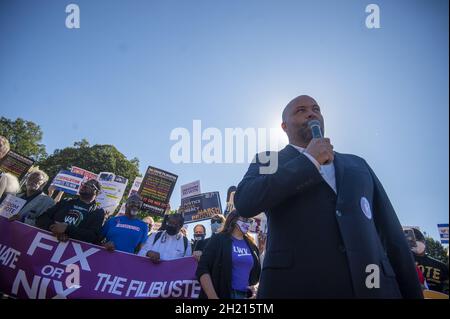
x=332 y=231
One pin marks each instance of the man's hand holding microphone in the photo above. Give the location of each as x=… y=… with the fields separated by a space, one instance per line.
x=319 y=147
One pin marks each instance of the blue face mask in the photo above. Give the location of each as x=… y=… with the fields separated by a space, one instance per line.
x=215 y=227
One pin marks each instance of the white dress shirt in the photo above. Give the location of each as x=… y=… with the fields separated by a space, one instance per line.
x=327 y=171
x=168 y=247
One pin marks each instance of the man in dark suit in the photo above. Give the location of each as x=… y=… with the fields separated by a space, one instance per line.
x=332 y=231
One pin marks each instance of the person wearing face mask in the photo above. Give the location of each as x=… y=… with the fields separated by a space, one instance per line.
x=198 y=243
x=126 y=233
x=199 y=235
x=434 y=271
x=77 y=218
x=229 y=265
x=37 y=202
x=216 y=223
x=169 y=243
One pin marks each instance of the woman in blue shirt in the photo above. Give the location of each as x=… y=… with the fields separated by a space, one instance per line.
x=230 y=262
x=126 y=233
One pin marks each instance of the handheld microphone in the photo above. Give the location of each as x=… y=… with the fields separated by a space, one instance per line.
x=316 y=131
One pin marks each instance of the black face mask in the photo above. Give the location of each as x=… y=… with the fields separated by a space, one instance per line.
x=172 y=230
x=199 y=237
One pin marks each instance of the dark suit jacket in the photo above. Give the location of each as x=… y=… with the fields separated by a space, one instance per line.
x=320 y=244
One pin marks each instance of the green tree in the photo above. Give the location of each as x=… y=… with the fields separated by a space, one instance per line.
x=24 y=137
x=436 y=250
x=96 y=158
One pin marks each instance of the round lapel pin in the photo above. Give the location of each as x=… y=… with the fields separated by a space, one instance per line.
x=365 y=207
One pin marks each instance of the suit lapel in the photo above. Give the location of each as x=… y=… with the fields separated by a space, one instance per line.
x=289 y=152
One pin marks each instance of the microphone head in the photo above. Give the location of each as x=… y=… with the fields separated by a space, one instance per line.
x=314 y=123
x=316 y=130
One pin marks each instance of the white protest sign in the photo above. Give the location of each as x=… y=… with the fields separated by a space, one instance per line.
x=136 y=185
x=11 y=205
x=190 y=189
x=443 y=233
x=67 y=182
x=113 y=188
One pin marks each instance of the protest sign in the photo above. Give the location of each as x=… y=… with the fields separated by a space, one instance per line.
x=443 y=233
x=11 y=205
x=136 y=185
x=113 y=188
x=67 y=182
x=190 y=189
x=16 y=164
x=87 y=175
x=202 y=206
x=35 y=265
x=156 y=188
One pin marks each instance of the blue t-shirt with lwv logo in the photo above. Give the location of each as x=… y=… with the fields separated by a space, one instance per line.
x=242 y=264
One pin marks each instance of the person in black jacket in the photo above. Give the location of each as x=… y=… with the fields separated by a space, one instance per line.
x=434 y=271
x=76 y=218
x=230 y=261
x=199 y=237
x=332 y=230
x=217 y=221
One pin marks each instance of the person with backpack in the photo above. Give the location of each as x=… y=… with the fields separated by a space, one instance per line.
x=167 y=244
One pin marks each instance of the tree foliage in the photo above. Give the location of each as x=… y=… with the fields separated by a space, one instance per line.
x=436 y=250
x=24 y=137
x=96 y=158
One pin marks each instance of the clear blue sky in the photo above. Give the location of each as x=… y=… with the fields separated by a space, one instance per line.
x=137 y=69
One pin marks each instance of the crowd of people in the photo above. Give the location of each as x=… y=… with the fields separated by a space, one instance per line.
x=228 y=260
x=230 y=264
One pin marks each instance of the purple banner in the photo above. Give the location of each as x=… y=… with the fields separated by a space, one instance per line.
x=34 y=265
